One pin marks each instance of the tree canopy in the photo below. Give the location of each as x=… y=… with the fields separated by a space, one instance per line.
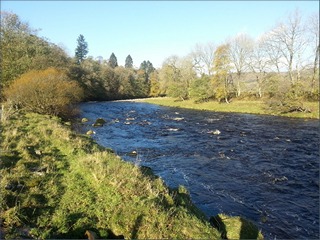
x=22 y=50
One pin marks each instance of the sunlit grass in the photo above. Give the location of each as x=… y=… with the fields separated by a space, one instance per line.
x=236 y=106
x=56 y=184
x=236 y=227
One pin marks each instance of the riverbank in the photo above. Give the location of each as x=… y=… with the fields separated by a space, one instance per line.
x=59 y=184
x=237 y=106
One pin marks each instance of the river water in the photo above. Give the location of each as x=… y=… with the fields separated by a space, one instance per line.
x=263 y=168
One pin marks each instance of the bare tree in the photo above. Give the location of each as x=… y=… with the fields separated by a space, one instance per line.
x=313 y=29
x=288 y=39
x=202 y=56
x=186 y=70
x=258 y=62
x=273 y=52
x=240 y=50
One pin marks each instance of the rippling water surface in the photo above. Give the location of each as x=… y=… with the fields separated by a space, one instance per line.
x=261 y=167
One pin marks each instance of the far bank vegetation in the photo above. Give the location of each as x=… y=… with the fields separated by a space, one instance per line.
x=279 y=68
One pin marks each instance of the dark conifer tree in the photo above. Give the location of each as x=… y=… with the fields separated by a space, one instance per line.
x=147 y=67
x=129 y=62
x=113 y=62
x=82 y=49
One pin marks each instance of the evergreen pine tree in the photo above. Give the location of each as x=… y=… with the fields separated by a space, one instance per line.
x=147 y=67
x=82 y=49
x=150 y=67
x=113 y=62
x=129 y=62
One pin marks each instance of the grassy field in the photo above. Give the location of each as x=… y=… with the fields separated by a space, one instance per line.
x=58 y=184
x=238 y=106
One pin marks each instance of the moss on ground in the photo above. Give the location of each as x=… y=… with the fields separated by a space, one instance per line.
x=57 y=184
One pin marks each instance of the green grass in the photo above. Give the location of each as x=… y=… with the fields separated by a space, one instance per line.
x=235 y=227
x=237 y=106
x=57 y=184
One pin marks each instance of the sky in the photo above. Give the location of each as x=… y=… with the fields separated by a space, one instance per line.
x=150 y=30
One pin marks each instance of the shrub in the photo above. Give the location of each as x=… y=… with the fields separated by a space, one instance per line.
x=200 y=89
x=48 y=91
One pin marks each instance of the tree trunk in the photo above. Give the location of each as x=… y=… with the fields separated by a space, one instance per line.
x=290 y=70
x=259 y=82
x=298 y=73
x=260 y=92
x=315 y=66
x=238 y=84
x=238 y=89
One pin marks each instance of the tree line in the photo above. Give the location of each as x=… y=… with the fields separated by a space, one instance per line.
x=281 y=66
x=39 y=76
x=105 y=79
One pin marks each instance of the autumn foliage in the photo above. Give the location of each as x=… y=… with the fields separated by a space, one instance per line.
x=47 y=91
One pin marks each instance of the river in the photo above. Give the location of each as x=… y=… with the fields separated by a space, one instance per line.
x=263 y=168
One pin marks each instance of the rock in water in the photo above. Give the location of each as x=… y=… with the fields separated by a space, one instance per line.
x=216 y=132
x=99 y=122
x=178 y=118
x=84 y=120
x=133 y=153
x=90 y=132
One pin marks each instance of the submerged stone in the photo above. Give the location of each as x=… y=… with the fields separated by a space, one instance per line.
x=99 y=122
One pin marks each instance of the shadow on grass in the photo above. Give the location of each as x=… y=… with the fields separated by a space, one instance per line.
x=248 y=230
x=235 y=227
x=9 y=161
x=148 y=172
x=136 y=227
x=217 y=223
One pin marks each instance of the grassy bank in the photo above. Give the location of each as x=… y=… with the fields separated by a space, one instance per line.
x=57 y=184
x=237 y=106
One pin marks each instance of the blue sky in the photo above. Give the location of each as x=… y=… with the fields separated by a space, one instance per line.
x=150 y=30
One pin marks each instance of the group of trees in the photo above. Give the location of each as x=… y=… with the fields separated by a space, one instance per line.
x=33 y=74
x=39 y=76
x=281 y=64
x=22 y=50
x=105 y=79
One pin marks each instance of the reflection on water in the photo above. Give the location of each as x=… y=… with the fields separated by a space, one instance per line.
x=261 y=167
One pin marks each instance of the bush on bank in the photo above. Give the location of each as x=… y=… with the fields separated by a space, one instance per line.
x=47 y=91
